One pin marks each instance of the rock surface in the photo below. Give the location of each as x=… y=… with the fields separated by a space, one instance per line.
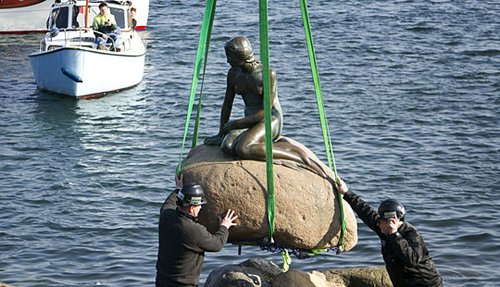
x=306 y=209
x=263 y=273
x=253 y=272
x=295 y=278
x=359 y=277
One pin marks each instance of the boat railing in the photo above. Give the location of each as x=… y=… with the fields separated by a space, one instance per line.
x=127 y=40
x=42 y=45
x=112 y=44
x=68 y=37
x=82 y=37
x=126 y=43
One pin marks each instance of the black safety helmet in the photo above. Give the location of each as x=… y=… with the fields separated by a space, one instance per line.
x=390 y=207
x=191 y=194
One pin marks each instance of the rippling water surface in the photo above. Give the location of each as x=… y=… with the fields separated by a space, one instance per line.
x=412 y=90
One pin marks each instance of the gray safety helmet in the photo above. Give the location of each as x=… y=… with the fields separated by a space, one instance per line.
x=191 y=194
x=391 y=207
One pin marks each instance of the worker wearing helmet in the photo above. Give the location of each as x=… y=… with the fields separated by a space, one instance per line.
x=182 y=240
x=407 y=260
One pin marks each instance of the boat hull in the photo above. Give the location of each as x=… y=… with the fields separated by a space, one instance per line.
x=33 y=16
x=24 y=19
x=85 y=72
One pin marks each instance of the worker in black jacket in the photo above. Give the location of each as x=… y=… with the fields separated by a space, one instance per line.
x=183 y=241
x=407 y=260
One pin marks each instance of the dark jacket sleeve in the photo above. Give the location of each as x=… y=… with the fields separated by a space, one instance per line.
x=408 y=246
x=212 y=242
x=364 y=211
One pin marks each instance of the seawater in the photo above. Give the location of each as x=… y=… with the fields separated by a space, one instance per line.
x=411 y=89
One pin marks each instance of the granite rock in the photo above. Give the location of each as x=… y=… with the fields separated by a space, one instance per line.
x=306 y=209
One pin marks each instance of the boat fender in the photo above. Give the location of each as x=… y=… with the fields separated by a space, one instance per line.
x=71 y=76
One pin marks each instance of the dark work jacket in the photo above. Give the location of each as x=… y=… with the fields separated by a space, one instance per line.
x=182 y=246
x=407 y=260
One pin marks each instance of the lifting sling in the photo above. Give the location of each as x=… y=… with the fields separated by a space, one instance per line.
x=202 y=55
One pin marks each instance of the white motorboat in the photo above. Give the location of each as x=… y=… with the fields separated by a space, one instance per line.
x=69 y=61
x=26 y=16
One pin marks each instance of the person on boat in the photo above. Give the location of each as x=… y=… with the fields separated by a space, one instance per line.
x=74 y=21
x=406 y=257
x=106 y=29
x=132 y=22
x=58 y=19
x=182 y=240
x=245 y=137
x=52 y=20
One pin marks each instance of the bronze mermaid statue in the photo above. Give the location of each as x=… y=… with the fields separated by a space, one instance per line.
x=245 y=137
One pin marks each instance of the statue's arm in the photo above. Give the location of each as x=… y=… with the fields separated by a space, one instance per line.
x=274 y=87
x=244 y=123
x=225 y=113
x=253 y=119
x=227 y=105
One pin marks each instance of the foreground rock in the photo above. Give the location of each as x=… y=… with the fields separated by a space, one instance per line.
x=296 y=278
x=306 y=209
x=262 y=273
x=359 y=277
x=253 y=272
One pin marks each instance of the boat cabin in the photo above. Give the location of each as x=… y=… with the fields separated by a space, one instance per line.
x=72 y=15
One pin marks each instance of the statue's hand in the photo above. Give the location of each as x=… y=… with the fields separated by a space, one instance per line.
x=229 y=126
x=214 y=140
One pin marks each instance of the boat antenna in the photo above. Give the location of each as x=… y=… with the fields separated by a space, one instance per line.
x=86 y=13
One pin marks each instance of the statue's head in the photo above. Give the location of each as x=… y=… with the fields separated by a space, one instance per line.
x=240 y=47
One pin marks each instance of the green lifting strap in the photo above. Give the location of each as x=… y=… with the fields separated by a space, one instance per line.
x=203 y=46
x=266 y=84
x=323 y=119
x=207 y=47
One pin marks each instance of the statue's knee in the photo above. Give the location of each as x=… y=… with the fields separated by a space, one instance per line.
x=228 y=145
x=227 y=149
x=243 y=151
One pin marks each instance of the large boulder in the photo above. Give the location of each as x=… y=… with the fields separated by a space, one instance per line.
x=306 y=209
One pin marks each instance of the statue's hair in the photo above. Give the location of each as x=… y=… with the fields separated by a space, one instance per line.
x=241 y=47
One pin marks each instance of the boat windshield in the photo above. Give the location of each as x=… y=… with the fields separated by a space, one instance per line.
x=60 y=16
x=120 y=18
x=94 y=11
